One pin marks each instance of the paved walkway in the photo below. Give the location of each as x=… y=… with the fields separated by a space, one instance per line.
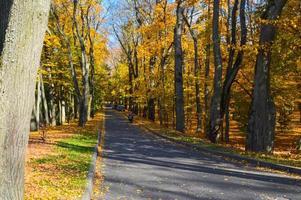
x=139 y=165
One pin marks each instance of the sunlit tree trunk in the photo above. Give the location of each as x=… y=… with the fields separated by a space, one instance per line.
x=22 y=27
x=45 y=105
x=38 y=103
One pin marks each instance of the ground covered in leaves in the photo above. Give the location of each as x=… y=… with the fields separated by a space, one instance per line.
x=285 y=142
x=58 y=162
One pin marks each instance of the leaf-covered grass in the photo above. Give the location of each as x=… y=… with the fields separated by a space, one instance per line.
x=200 y=141
x=61 y=170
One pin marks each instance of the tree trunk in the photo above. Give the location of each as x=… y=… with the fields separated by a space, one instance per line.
x=299 y=145
x=33 y=121
x=83 y=118
x=151 y=109
x=232 y=69
x=38 y=101
x=60 y=112
x=75 y=106
x=80 y=98
x=63 y=112
x=227 y=128
x=92 y=84
x=207 y=77
x=215 y=115
x=22 y=27
x=261 y=126
x=179 y=91
x=196 y=76
x=92 y=64
x=53 y=113
x=160 y=104
x=45 y=105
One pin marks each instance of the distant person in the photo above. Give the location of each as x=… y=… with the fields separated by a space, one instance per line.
x=131 y=116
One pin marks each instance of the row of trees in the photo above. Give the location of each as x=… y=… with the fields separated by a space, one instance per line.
x=72 y=65
x=199 y=64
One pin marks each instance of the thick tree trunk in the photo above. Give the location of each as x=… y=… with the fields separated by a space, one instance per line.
x=215 y=115
x=22 y=27
x=179 y=91
x=261 y=126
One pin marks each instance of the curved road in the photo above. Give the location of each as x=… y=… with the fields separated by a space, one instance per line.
x=139 y=165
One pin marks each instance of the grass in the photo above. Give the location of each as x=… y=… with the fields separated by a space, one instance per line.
x=236 y=147
x=273 y=158
x=58 y=168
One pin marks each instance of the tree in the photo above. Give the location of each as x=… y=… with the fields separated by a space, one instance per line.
x=22 y=27
x=261 y=125
x=197 y=68
x=77 y=23
x=234 y=63
x=215 y=115
x=179 y=91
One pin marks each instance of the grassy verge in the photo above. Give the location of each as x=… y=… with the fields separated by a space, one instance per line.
x=199 y=141
x=57 y=169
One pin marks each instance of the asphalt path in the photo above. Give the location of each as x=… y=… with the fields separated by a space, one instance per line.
x=139 y=165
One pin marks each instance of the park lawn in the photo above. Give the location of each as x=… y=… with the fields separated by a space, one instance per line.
x=284 y=152
x=58 y=167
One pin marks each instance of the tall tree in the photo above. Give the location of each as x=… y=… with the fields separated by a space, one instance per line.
x=85 y=67
x=215 y=115
x=197 y=69
x=179 y=91
x=234 y=64
x=22 y=27
x=261 y=125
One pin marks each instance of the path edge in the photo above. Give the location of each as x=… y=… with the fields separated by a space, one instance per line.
x=239 y=158
x=88 y=194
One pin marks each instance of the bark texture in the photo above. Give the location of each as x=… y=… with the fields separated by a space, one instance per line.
x=179 y=91
x=22 y=27
x=261 y=126
x=215 y=115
